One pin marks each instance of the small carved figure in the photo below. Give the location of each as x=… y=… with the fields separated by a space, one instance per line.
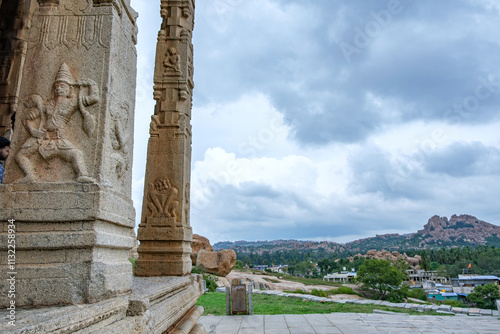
x=172 y=61
x=162 y=198
x=48 y=138
x=120 y=137
x=5 y=69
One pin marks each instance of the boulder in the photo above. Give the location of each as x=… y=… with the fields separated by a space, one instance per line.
x=219 y=263
x=199 y=242
x=371 y=252
x=413 y=261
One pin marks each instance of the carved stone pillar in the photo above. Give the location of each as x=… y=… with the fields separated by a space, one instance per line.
x=14 y=28
x=165 y=232
x=68 y=176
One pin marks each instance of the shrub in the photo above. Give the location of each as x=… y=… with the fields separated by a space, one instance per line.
x=211 y=283
x=319 y=293
x=296 y=291
x=345 y=290
x=397 y=295
x=417 y=294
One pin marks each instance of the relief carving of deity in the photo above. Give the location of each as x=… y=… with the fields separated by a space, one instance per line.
x=47 y=123
x=172 y=61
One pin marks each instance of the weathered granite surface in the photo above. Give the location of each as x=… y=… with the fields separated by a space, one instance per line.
x=156 y=305
x=199 y=242
x=68 y=177
x=219 y=263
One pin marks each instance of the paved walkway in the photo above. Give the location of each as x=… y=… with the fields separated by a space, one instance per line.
x=356 y=323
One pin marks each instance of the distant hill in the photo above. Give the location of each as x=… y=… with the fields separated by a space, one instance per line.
x=458 y=231
x=260 y=247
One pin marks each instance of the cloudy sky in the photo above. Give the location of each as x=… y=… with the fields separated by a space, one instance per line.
x=335 y=119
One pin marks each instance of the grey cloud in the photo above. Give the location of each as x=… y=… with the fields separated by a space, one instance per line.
x=374 y=172
x=423 y=58
x=464 y=159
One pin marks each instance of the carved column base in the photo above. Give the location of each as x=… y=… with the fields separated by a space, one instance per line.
x=164 y=251
x=73 y=251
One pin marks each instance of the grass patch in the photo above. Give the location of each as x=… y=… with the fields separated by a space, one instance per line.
x=296 y=291
x=215 y=304
x=342 y=290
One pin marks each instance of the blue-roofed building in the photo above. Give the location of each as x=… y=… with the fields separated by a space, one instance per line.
x=443 y=295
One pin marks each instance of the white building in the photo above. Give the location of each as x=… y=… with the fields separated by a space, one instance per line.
x=342 y=277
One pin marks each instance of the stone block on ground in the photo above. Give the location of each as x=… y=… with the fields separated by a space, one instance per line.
x=219 y=263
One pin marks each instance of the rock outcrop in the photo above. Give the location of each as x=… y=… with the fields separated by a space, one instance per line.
x=199 y=242
x=219 y=263
x=414 y=262
x=465 y=228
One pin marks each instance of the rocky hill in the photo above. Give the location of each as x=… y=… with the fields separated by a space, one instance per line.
x=458 y=231
x=260 y=247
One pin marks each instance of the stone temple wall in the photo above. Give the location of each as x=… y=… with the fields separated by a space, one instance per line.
x=68 y=72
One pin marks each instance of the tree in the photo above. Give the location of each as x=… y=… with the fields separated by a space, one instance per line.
x=381 y=276
x=305 y=268
x=484 y=296
x=434 y=265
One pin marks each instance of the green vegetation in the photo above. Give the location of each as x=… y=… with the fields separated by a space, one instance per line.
x=342 y=290
x=132 y=260
x=211 y=282
x=417 y=294
x=215 y=304
x=209 y=279
x=319 y=293
x=484 y=296
x=452 y=303
x=449 y=261
x=238 y=264
x=484 y=260
x=384 y=278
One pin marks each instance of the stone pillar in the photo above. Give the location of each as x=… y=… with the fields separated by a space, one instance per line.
x=165 y=232
x=14 y=29
x=68 y=176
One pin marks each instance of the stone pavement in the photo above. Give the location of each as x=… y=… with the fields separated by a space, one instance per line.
x=357 y=323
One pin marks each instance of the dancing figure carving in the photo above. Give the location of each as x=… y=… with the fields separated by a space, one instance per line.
x=47 y=122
